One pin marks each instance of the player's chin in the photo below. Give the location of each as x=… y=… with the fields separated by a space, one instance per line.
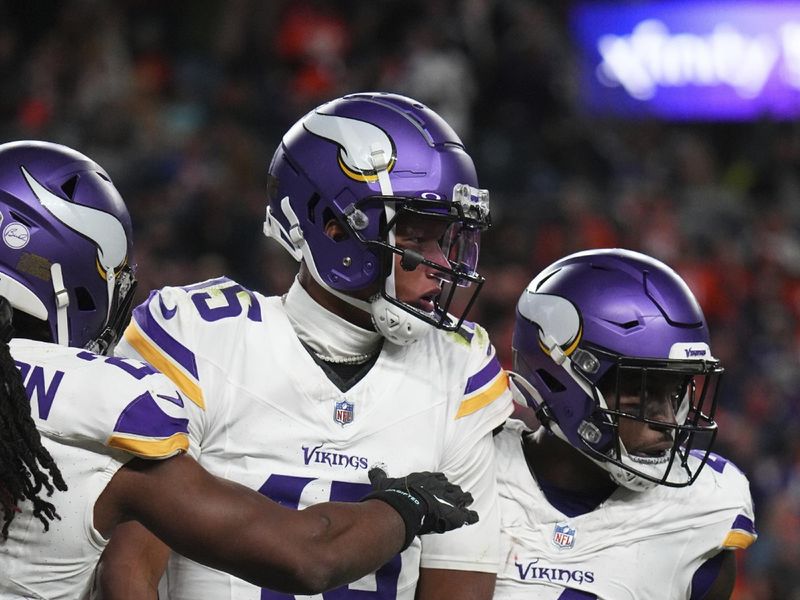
x=426 y=304
x=656 y=457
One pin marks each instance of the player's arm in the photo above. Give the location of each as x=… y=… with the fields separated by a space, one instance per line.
x=443 y=584
x=229 y=527
x=131 y=565
x=717 y=575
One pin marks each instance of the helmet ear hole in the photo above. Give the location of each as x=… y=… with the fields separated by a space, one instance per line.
x=312 y=207
x=333 y=228
x=553 y=384
x=18 y=217
x=84 y=299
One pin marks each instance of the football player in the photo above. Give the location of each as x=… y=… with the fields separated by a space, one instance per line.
x=27 y=471
x=617 y=495
x=118 y=430
x=366 y=360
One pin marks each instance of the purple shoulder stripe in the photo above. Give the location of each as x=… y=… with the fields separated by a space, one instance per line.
x=165 y=342
x=144 y=417
x=484 y=376
x=744 y=523
x=467 y=330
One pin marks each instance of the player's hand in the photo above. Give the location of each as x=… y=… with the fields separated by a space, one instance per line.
x=427 y=502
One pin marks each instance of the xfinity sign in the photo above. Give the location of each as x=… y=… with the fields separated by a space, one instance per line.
x=691 y=60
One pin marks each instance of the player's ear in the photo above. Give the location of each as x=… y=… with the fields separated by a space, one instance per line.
x=335 y=230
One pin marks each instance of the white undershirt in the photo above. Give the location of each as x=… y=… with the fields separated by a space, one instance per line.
x=330 y=337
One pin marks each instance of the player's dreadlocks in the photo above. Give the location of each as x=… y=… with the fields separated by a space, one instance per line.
x=26 y=467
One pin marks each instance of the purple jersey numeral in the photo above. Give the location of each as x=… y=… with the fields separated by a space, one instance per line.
x=137 y=370
x=44 y=392
x=715 y=461
x=571 y=594
x=233 y=308
x=286 y=490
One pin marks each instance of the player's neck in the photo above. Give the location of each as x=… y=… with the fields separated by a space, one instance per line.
x=329 y=302
x=326 y=334
x=558 y=464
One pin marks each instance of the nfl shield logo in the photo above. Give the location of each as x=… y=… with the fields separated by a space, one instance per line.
x=563 y=536
x=343 y=412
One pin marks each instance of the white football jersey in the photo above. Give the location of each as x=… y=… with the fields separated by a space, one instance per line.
x=269 y=418
x=634 y=546
x=94 y=414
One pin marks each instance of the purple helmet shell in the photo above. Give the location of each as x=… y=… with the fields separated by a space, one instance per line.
x=324 y=166
x=602 y=312
x=67 y=244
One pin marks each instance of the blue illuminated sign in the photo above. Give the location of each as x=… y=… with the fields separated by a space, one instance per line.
x=690 y=60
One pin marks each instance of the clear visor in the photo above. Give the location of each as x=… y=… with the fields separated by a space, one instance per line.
x=461 y=245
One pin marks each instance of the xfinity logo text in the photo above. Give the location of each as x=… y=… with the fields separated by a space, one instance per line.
x=333 y=459
x=532 y=572
x=688 y=59
x=652 y=57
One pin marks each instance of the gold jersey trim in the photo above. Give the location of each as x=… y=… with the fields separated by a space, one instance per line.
x=150 y=353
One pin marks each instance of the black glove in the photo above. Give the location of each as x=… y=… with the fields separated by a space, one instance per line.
x=426 y=501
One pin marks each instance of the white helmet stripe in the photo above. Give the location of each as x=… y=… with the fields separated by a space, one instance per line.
x=357 y=140
x=557 y=318
x=103 y=229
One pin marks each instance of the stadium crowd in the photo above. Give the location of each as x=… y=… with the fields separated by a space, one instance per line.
x=184 y=104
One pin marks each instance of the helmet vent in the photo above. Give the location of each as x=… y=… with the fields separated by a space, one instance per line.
x=68 y=187
x=626 y=325
x=312 y=206
x=84 y=298
x=553 y=384
x=543 y=281
x=18 y=217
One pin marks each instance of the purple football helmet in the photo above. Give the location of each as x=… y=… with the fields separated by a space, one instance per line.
x=603 y=325
x=66 y=245
x=364 y=160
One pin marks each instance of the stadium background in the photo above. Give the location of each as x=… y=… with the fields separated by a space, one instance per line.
x=184 y=103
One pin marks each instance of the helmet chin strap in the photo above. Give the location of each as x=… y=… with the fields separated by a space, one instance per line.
x=395 y=324
x=62 y=302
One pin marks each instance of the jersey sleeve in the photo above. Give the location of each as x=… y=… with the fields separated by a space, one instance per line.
x=483 y=404
x=161 y=332
x=191 y=334
x=485 y=400
x=741 y=531
x=120 y=403
x=155 y=424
